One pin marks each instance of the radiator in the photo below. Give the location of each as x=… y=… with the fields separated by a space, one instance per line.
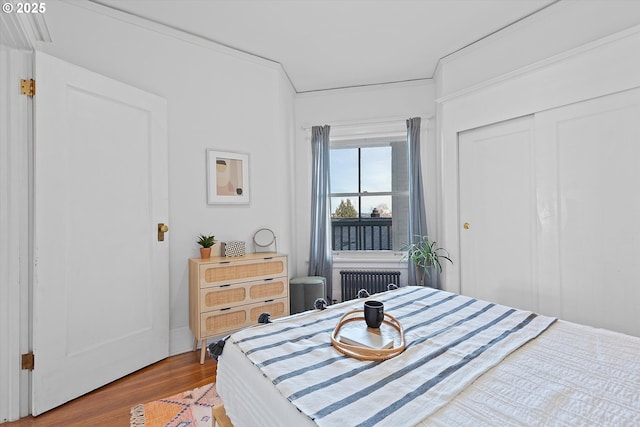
x=372 y=281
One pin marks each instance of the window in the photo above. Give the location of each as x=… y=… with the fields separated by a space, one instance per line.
x=369 y=195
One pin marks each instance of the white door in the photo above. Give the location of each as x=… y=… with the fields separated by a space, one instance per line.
x=497 y=208
x=588 y=187
x=100 y=283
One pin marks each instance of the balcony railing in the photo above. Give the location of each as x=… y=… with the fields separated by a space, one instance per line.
x=361 y=234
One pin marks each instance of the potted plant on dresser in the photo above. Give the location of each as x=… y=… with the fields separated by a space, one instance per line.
x=425 y=254
x=206 y=241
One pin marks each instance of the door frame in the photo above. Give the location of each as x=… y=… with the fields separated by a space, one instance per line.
x=16 y=144
x=15 y=249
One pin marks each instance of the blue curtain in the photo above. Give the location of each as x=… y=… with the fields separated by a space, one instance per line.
x=320 y=262
x=417 y=211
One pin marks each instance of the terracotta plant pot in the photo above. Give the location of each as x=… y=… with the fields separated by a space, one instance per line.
x=205 y=253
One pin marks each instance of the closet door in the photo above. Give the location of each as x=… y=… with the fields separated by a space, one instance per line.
x=588 y=176
x=497 y=213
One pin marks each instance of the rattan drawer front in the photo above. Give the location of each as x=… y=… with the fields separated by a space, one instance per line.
x=276 y=308
x=224 y=296
x=237 y=271
x=242 y=293
x=268 y=289
x=218 y=322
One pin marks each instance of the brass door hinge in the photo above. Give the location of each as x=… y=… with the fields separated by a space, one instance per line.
x=27 y=87
x=28 y=361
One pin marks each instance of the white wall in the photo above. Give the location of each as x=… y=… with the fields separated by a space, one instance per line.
x=217 y=98
x=560 y=27
x=353 y=106
x=543 y=61
x=605 y=66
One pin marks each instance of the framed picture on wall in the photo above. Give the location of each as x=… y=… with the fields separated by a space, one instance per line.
x=227 y=177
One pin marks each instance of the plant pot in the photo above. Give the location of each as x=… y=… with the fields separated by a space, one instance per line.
x=205 y=253
x=420 y=275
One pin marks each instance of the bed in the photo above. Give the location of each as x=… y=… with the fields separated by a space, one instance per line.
x=467 y=362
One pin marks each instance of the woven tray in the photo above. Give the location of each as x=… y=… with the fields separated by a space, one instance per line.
x=363 y=353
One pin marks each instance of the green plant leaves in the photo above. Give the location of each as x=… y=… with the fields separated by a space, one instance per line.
x=206 y=241
x=425 y=253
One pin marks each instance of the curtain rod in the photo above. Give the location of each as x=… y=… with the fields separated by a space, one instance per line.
x=347 y=123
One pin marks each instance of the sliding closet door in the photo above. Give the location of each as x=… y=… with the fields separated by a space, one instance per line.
x=588 y=178
x=497 y=213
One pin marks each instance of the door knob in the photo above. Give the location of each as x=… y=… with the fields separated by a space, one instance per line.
x=466 y=226
x=162 y=228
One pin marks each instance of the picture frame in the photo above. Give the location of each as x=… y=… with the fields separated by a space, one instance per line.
x=227 y=177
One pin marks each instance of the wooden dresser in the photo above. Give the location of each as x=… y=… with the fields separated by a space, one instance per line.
x=230 y=293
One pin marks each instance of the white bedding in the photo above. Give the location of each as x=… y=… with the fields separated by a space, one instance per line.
x=570 y=375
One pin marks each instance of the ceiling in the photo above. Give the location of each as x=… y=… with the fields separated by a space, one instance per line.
x=329 y=44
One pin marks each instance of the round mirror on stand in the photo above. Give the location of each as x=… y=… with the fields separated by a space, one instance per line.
x=264 y=238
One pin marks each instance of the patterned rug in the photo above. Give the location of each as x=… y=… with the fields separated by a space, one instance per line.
x=187 y=409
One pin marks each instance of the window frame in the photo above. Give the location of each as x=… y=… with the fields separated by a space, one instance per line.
x=363 y=193
x=361 y=135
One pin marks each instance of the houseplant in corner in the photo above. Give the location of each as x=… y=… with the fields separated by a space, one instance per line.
x=206 y=241
x=425 y=254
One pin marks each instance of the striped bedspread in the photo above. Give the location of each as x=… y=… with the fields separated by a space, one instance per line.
x=451 y=341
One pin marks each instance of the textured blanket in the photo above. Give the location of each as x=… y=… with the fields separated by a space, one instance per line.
x=451 y=341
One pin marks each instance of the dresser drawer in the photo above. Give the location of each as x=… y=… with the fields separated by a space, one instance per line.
x=226 y=272
x=225 y=296
x=218 y=322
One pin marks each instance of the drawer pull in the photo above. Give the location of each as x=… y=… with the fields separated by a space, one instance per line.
x=225 y=286
x=268 y=279
x=269 y=300
x=269 y=257
x=225 y=309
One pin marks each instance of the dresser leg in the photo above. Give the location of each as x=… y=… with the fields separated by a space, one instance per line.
x=220 y=417
x=203 y=351
x=195 y=344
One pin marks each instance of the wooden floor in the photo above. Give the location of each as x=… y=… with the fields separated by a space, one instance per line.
x=110 y=405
